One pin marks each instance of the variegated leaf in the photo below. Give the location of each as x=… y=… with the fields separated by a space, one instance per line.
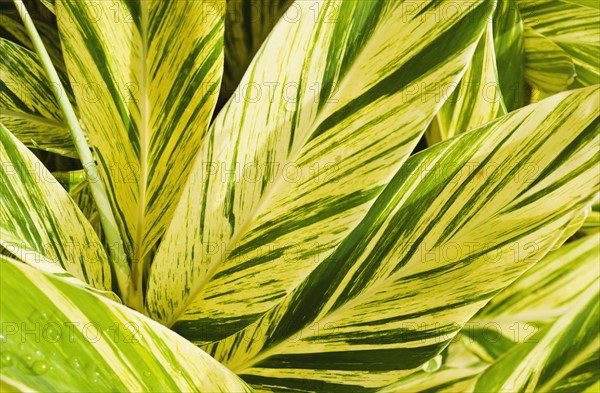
x=477 y=99
x=49 y=4
x=72 y=181
x=247 y=24
x=37 y=216
x=509 y=49
x=547 y=66
x=563 y=357
x=58 y=337
x=444 y=380
x=591 y=224
x=78 y=188
x=12 y=250
x=544 y=293
x=459 y=221
x=155 y=67
x=12 y=29
x=587 y=3
x=572 y=25
x=27 y=103
x=575 y=224
x=284 y=177
x=455 y=370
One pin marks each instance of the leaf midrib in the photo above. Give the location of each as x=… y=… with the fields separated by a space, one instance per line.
x=318 y=121
x=35 y=118
x=144 y=131
x=238 y=234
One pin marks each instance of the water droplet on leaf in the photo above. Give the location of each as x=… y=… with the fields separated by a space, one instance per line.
x=92 y=373
x=38 y=316
x=74 y=362
x=7 y=359
x=433 y=364
x=39 y=367
x=52 y=333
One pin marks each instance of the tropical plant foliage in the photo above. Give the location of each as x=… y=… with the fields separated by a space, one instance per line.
x=328 y=195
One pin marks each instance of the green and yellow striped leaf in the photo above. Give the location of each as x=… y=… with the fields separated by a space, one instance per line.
x=39 y=218
x=77 y=186
x=49 y=266
x=571 y=229
x=13 y=29
x=547 y=66
x=591 y=225
x=509 y=49
x=563 y=357
x=9 y=385
x=58 y=337
x=247 y=24
x=572 y=25
x=284 y=177
x=477 y=99
x=87 y=205
x=27 y=103
x=537 y=298
x=444 y=380
x=459 y=221
x=587 y=3
x=72 y=181
x=155 y=68
x=49 y=4
x=455 y=370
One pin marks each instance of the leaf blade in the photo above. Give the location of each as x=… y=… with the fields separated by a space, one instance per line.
x=155 y=102
x=247 y=24
x=536 y=299
x=477 y=99
x=360 y=312
x=562 y=357
x=28 y=105
x=547 y=66
x=509 y=48
x=38 y=215
x=572 y=26
x=344 y=142
x=93 y=344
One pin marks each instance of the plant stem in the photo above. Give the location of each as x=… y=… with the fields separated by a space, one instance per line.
x=109 y=224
